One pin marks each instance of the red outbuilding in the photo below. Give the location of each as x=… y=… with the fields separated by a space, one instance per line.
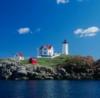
x=33 y=61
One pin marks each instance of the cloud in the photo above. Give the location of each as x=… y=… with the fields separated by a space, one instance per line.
x=62 y=1
x=27 y=30
x=68 y=1
x=24 y=30
x=88 y=32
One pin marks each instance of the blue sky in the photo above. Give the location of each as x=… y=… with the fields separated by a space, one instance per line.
x=25 y=25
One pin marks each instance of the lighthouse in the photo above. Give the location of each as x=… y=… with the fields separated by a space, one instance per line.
x=65 y=47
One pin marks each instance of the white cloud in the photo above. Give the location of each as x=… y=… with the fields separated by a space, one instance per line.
x=27 y=30
x=88 y=32
x=24 y=30
x=62 y=1
x=68 y=1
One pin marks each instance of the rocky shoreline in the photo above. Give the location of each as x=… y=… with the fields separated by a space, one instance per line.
x=16 y=71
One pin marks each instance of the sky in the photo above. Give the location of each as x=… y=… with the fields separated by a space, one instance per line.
x=25 y=25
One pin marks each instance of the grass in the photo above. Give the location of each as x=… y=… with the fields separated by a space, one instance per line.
x=24 y=62
x=47 y=62
x=52 y=62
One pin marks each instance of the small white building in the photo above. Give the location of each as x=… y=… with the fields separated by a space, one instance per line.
x=46 y=51
x=19 y=56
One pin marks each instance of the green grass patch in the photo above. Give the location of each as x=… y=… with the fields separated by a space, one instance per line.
x=53 y=62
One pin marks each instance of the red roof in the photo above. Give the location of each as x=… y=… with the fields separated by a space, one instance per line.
x=46 y=46
x=20 y=54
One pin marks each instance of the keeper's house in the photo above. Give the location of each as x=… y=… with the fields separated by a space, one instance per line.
x=46 y=51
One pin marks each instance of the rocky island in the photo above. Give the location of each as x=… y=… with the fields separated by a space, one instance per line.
x=59 y=68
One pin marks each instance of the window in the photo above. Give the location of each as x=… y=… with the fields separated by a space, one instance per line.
x=45 y=53
x=45 y=48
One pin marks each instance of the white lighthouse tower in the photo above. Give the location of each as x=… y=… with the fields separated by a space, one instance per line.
x=65 y=47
